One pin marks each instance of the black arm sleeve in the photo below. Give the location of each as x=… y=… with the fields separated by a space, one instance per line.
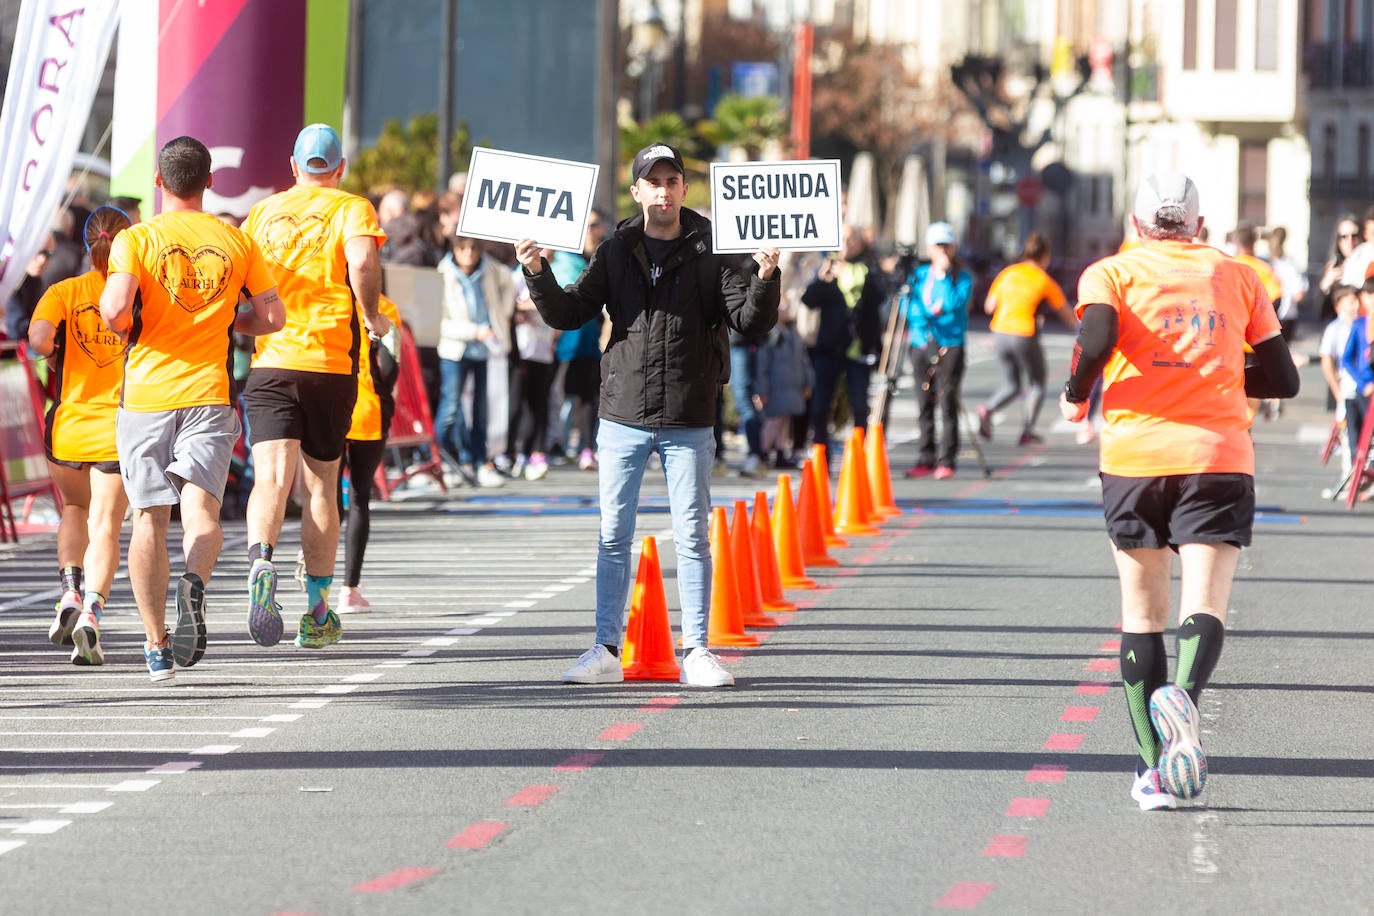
x=1096 y=340
x=1269 y=372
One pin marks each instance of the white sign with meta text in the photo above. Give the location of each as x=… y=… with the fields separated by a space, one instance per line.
x=512 y=196
x=791 y=205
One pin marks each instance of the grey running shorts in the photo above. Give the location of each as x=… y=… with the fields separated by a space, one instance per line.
x=162 y=451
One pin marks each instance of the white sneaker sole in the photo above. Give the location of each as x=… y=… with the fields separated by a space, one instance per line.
x=87 y=652
x=1182 y=764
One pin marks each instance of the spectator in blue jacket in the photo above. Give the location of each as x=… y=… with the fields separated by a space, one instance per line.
x=937 y=314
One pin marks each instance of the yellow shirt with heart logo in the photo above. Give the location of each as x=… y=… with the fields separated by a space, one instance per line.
x=88 y=361
x=302 y=233
x=190 y=268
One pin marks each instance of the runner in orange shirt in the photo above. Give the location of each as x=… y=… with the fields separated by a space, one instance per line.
x=173 y=295
x=378 y=366
x=1166 y=326
x=1013 y=302
x=80 y=438
x=321 y=245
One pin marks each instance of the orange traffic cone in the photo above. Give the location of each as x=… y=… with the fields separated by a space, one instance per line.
x=746 y=571
x=787 y=539
x=726 y=624
x=820 y=470
x=850 y=515
x=648 y=653
x=879 y=473
x=865 y=491
x=766 y=559
x=812 y=529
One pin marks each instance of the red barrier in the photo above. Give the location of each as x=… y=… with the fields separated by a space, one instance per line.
x=412 y=425
x=23 y=460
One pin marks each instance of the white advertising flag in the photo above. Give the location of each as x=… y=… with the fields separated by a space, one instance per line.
x=60 y=48
x=512 y=196
x=792 y=205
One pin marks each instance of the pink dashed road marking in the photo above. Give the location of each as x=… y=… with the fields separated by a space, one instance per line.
x=1046 y=772
x=1028 y=807
x=1104 y=664
x=658 y=704
x=1111 y=645
x=392 y=880
x=1092 y=688
x=730 y=658
x=530 y=796
x=1062 y=742
x=846 y=571
x=579 y=762
x=1006 y=845
x=867 y=559
x=804 y=603
x=964 y=896
x=475 y=836
x=1079 y=714
x=620 y=731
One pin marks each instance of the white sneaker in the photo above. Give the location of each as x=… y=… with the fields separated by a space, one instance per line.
x=351 y=601
x=1150 y=794
x=488 y=476
x=595 y=666
x=701 y=668
x=538 y=467
x=750 y=468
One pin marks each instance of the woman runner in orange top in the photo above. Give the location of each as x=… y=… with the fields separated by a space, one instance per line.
x=80 y=437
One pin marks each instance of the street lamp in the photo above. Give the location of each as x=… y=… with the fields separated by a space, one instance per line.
x=648 y=45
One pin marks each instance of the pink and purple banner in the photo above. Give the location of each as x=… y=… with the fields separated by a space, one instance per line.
x=241 y=76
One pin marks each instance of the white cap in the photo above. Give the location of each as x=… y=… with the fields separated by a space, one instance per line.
x=940 y=234
x=1167 y=200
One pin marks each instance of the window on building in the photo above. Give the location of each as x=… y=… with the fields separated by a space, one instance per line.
x=1254 y=183
x=1224 y=41
x=1329 y=152
x=1267 y=35
x=1189 y=34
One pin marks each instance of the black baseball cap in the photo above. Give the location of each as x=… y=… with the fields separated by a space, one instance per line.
x=656 y=152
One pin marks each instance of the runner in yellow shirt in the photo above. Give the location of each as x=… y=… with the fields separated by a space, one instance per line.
x=80 y=438
x=1013 y=302
x=173 y=294
x=321 y=245
x=1166 y=326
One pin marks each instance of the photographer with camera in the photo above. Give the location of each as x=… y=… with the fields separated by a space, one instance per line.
x=849 y=293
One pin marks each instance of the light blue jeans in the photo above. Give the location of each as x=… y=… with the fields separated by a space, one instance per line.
x=622 y=452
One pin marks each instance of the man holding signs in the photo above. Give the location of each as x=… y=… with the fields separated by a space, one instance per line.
x=670 y=299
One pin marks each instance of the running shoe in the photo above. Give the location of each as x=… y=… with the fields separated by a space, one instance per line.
x=920 y=470
x=86 y=651
x=984 y=422
x=68 y=609
x=537 y=467
x=702 y=668
x=1182 y=765
x=264 y=614
x=595 y=666
x=353 y=602
x=162 y=667
x=1150 y=794
x=944 y=472
x=188 y=639
x=1029 y=438
x=586 y=460
x=311 y=634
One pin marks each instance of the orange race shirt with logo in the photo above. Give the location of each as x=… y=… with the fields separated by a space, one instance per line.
x=90 y=368
x=190 y=269
x=302 y=232
x=367 y=410
x=1019 y=290
x=1174 y=388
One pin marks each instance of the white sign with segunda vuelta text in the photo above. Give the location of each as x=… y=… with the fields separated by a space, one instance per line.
x=792 y=205
x=513 y=196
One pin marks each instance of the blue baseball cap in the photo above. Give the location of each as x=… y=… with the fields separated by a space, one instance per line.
x=318 y=149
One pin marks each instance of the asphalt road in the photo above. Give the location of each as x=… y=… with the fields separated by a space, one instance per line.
x=939 y=726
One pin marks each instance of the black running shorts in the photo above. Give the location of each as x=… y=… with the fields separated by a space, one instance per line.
x=1155 y=512
x=314 y=408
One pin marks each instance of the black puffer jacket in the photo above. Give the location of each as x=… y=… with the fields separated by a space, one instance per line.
x=668 y=353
